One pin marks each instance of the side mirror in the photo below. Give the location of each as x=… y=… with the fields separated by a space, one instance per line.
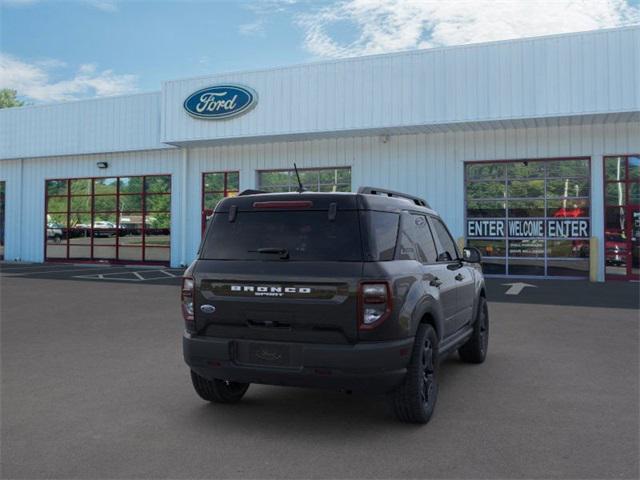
x=471 y=255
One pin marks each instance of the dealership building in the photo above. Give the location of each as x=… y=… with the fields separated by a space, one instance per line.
x=529 y=149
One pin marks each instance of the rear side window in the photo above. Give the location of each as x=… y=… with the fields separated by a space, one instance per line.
x=383 y=232
x=305 y=235
x=448 y=246
x=416 y=242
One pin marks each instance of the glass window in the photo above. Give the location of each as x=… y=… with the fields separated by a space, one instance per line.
x=216 y=186
x=105 y=186
x=526 y=169
x=416 y=241
x=447 y=250
x=56 y=187
x=526 y=248
x=526 y=267
x=634 y=193
x=383 y=232
x=568 y=208
x=525 y=189
x=485 y=190
x=130 y=203
x=568 y=248
x=158 y=184
x=615 y=193
x=106 y=219
x=57 y=204
x=564 y=268
x=157 y=203
x=568 y=168
x=489 y=248
x=574 y=187
x=80 y=204
x=131 y=184
x=634 y=168
x=314 y=180
x=80 y=186
x=214 y=182
x=526 y=208
x=301 y=235
x=494 y=266
x=486 y=171
x=211 y=200
x=485 y=208
x=105 y=203
x=615 y=168
x=544 y=214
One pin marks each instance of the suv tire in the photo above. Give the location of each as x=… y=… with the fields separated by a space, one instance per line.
x=415 y=400
x=218 y=391
x=475 y=349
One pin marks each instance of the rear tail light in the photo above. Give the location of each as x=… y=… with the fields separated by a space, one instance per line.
x=374 y=302
x=186 y=298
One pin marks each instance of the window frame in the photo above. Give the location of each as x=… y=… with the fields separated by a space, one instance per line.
x=627 y=207
x=439 y=247
x=291 y=171
x=117 y=230
x=203 y=193
x=506 y=178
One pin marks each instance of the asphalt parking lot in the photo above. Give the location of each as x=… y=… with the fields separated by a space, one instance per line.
x=94 y=386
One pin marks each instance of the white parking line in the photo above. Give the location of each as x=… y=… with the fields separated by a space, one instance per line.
x=32 y=272
x=117 y=276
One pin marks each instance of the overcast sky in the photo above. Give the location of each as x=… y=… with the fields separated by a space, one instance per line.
x=62 y=50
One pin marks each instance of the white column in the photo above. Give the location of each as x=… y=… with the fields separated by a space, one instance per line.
x=597 y=211
x=184 y=205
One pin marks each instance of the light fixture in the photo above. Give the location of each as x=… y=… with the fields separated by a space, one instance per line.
x=102 y=165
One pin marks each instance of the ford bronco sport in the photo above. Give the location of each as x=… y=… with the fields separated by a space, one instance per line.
x=353 y=291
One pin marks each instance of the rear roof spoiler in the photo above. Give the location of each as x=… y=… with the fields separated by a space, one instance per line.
x=250 y=192
x=390 y=193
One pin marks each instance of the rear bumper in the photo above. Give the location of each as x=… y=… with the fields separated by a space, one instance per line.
x=367 y=367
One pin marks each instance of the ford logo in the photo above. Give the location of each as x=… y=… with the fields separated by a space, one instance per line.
x=220 y=101
x=207 y=308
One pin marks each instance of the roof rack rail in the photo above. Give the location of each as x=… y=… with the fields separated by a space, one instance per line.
x=250 y=192
x=390 y=193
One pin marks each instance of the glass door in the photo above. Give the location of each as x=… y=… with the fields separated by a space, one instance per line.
x=622 y=217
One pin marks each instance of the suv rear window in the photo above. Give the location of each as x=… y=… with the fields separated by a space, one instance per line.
x=305 y=235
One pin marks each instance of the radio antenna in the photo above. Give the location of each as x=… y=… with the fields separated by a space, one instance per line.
x=300 y=186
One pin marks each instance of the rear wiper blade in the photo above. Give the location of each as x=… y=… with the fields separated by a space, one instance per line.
x=283 y=252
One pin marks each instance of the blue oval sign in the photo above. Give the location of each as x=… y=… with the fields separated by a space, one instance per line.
x=220 y=101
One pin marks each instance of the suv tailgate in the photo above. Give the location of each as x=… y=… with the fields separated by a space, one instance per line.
x=278 y=300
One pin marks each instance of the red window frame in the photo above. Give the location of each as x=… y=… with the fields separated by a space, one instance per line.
x=227 y=191
x=118 y=230
x=628 y=210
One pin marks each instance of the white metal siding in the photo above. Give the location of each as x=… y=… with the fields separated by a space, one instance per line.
x=113 y=124
x=26 y=192
x=558 y=76
x=428 y=165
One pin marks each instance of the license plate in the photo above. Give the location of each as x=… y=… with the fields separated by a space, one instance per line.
x=266 y=354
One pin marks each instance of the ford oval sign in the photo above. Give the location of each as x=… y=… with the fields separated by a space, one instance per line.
x=220 y=101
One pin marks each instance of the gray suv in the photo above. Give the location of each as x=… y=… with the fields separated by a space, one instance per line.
x=361 y=291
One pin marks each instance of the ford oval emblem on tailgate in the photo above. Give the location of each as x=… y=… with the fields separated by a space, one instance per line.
x=207 y=308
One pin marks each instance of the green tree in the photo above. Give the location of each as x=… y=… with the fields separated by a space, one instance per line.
x=8 y=98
